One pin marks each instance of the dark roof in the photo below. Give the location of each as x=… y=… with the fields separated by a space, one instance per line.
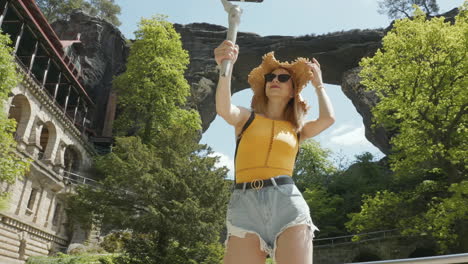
x=34 y=14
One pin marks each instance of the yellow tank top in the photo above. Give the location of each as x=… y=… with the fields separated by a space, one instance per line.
x=268 y=148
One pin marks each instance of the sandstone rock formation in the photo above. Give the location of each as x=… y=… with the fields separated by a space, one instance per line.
x=339 y=54
x=103 y=55
x=104 y=52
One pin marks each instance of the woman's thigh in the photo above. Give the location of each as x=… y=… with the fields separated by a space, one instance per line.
x=244 y=250
x=294 y=246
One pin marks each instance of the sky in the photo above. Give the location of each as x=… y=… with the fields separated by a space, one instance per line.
x=345 y=138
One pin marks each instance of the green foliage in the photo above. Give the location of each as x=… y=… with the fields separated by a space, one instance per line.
x=376 y=212
x=403 y=8
x=60 y=9
x=140 y=249
x=147 y=189
x=11 y=165
x=153 y=88
x=160 y=196
x=326 y=209
x=312 y=167
x=114 y=242
x=363 y=177
x=160 y=184
x=332 y=193
x=418 y=212
x=72 y=259
x=445 y=218
x=106 y=259
x=421 y=75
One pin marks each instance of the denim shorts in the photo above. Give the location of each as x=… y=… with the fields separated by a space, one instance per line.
x=267 y=213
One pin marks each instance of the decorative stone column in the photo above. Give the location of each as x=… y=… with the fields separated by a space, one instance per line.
x=34 y=146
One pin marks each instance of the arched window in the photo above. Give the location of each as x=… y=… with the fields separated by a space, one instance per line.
x=43 y=141
x=32 y=199
x=72 y=163
x=56 y=217
x=20 y=110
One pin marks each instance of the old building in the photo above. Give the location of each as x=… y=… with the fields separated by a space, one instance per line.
x=53 y=112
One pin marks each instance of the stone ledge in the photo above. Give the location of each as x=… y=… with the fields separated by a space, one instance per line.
x=32 y=230
x=58 y=114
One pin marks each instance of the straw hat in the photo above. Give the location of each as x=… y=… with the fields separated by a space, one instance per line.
x=300 y=75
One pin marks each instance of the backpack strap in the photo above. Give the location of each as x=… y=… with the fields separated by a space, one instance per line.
x=246 y=125
x=299 y=147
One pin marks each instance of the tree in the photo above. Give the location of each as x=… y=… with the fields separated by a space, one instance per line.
x=153 y=88
x=169 y=203
x=331 y=203
x=312 y=166
x=106 y=9
x=326 y=211
x=159 y=182
x=60 y=9
x=420 y=76
x=408 y=210
x=445 y=215
x=363 y=177
x=403 y=8
x=12 y=165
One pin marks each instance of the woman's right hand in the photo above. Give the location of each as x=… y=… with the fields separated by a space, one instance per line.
x=226 y=51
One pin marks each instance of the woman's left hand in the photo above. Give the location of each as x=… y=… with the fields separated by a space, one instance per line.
x=317 y=73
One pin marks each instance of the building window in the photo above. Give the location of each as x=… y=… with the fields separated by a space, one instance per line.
x=32 y=199
x=57 y=210
x=44 y=140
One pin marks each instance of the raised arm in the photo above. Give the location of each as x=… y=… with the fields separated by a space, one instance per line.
x=326 y=114
x=234 y=115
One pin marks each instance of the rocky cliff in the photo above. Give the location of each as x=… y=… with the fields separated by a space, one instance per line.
x=103 y=55
x=338 y=54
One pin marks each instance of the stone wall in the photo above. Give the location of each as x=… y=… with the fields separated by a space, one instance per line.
x=35 y=222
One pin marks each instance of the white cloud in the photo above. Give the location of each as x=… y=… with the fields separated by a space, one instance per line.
x=340 y=129
x=355 y=136
x=225 y=160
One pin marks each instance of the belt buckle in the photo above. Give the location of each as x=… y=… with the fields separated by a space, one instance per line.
x=256 y=184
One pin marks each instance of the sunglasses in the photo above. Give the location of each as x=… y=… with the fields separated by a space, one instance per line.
x=281 y=77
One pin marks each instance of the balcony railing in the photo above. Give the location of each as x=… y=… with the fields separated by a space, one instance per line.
x=444 y=259
x=77 y=122
x=77 y=179
x=333 y=241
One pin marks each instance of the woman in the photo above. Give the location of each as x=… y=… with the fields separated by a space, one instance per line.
x=267 y=214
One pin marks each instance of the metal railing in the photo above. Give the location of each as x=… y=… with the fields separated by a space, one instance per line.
x=444 y=259
x=74 y=178
x=340 y=240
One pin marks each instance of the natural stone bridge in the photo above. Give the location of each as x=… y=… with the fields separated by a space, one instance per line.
x=103 y=55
